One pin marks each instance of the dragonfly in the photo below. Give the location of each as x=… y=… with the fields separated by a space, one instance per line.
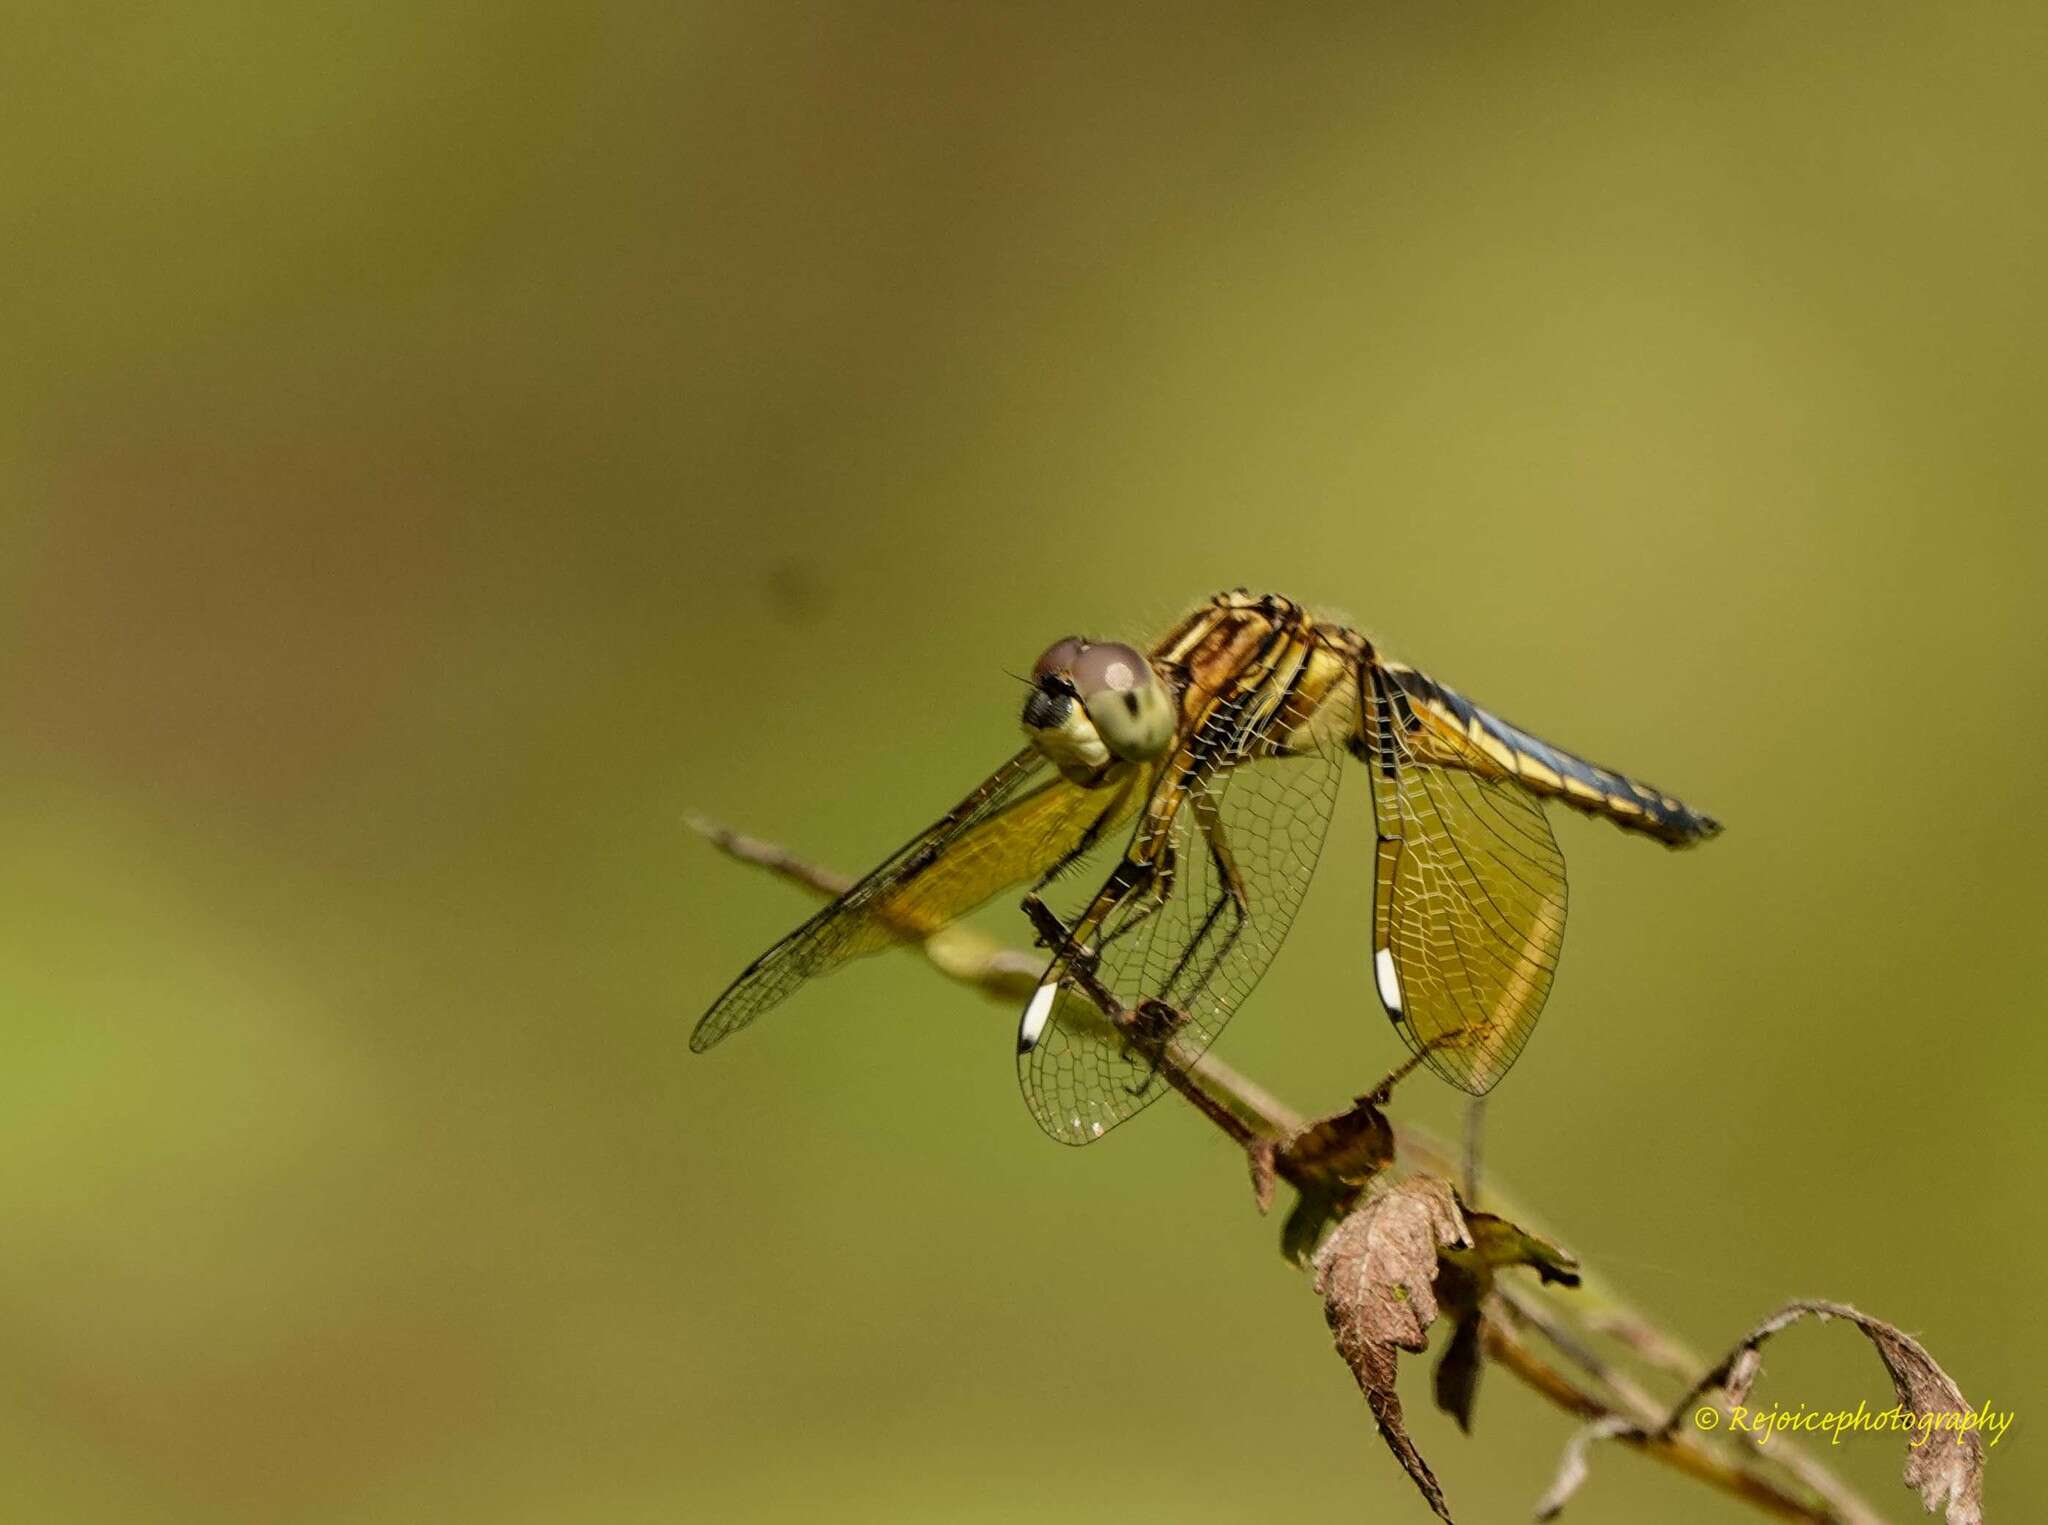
x=1211 y=763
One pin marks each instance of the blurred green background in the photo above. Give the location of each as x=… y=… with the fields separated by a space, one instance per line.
x=442 y=446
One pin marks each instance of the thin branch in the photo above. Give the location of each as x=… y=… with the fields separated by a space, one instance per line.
x=1262 y=1125
x=822 y=882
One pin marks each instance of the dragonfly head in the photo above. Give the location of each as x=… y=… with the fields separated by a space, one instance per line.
x=1094 y=704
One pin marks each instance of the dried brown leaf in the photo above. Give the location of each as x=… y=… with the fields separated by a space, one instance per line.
x=1377 y=1274
x=1944 y=1462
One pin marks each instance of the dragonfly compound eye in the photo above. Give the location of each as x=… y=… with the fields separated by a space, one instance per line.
x=1126 y=700
x=1059 y=657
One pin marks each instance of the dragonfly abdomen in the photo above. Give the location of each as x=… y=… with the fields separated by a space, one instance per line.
x=1429 y=716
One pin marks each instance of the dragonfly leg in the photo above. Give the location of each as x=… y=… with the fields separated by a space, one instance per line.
x=1157 y=893
x=1137 y=887
x=1149 y=1030
x=1131 y=881
x=1232 y=900
x=1063 y=940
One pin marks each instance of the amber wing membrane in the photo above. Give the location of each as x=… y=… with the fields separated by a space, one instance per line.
x=1222 y=859
x=1018 y=825
x=1469 y=893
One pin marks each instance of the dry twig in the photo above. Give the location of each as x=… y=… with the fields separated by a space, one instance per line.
x=1332 y=1162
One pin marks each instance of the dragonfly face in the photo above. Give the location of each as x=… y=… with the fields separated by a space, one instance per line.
x=1094 y=705
x=1209 y=767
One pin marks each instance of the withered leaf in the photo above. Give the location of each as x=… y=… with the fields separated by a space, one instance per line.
x=1376 y=1274
x=1387 y=1270
x=1944 y=1459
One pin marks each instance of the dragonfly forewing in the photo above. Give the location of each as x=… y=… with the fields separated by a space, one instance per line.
x=1022 y=823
